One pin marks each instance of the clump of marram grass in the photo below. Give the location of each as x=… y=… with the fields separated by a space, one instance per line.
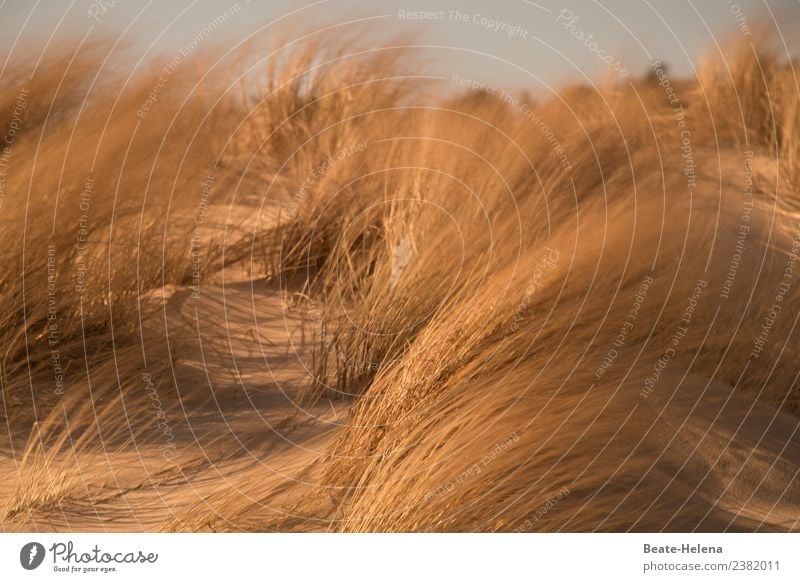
x=455 y=366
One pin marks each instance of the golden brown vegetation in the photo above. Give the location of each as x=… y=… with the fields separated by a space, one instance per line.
x=471 y=360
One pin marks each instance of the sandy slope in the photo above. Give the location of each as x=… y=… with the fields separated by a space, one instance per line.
x=720 y=445
x=240 y=367
x=242 y=439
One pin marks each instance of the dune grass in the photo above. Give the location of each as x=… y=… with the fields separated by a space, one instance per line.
x=467 y=263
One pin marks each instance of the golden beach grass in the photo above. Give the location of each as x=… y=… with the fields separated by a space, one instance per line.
x=464 y=268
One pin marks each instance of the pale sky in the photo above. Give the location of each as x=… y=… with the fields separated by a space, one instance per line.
x=510 y=42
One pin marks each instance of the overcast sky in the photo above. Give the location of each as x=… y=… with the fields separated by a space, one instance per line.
x=514 y=42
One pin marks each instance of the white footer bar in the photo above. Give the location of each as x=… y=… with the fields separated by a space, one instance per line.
x=388 y=557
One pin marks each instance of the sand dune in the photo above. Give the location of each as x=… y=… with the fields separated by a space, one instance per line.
x=341 y=302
